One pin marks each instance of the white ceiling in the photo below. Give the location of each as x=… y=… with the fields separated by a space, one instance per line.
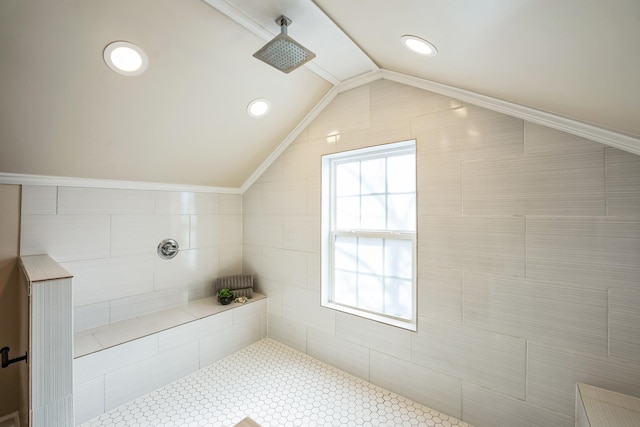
x=64 y=113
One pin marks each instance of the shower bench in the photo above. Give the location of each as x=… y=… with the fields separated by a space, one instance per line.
x=116 y=363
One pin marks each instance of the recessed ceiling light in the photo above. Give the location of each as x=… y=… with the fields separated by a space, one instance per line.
x=418 y=45
x=125 y=58
x=258 y=107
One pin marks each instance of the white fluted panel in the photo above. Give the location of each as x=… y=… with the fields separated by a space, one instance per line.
x=55 y=414
x=51 y=348
x=51 y=353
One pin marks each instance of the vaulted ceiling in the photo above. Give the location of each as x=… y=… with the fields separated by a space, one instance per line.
x=184 y=121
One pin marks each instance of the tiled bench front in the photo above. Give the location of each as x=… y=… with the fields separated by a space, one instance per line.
x=117 y=363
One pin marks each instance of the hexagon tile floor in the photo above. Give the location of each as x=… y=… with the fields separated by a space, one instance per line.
x=276 y=386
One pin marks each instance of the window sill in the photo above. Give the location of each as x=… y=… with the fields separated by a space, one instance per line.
x=398 y=323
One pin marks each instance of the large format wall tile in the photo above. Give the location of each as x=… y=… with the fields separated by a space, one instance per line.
x=624 y=324
x=468 y=133
x=623 y=183
x=252 y=201
x=230 y=204
x=263 y=230
x=540 y=139
x=217 y=345
x=393 y=103
x=65 y=237
x=372 y=136
x=140 y=234
x=567 y=184
x=482 y=407
x=349 y=111
x=375 y=335
x=303 y=306
x=186 y=203
x=90 y=316
x=215 y=230
x=39 y=200
x=289 y=332
x=95 y=365
x=149 y=302
x=439 y=185
x=288 y=197
x=342 y=354
x=441 y=392
x=286 y=266
x=553 y=373
x=110 y=278
x=304 y=160
x=495 y=361
x=555 y=313
x=190 y=269
x=439 y=293
x=193 y=331
x=100 y=201
x=88 y=400
x=595 y=251
x=491 y=245
x=140 y=378
x=302 y=233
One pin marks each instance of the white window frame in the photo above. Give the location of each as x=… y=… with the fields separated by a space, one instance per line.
x=329 y=233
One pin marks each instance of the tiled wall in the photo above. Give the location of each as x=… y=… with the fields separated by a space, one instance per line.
x=107 y=238
x=529 y=259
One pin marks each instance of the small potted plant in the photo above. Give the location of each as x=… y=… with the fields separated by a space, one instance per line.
x=225 y=296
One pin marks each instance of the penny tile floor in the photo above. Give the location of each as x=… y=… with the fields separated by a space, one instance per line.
x=275 y=386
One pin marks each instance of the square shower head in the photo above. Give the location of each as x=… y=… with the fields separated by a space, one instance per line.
x=283 y=52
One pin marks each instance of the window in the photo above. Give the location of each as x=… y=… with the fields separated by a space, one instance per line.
x=369 y=233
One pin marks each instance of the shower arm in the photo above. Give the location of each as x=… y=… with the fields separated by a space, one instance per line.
x=283 y=22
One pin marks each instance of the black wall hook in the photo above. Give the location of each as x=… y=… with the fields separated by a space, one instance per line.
x=5 y=357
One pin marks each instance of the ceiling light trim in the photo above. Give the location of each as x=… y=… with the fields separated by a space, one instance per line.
x=108 y=51
x=60 y=181
x=261 y=111
x=412 y=42
x=574 y=127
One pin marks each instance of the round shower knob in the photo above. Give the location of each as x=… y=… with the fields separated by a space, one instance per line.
x=168 y=249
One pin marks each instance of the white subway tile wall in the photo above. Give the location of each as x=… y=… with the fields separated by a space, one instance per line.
x=107 y=238
x=528 y=252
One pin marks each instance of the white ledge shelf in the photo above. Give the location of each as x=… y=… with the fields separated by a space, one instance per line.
x=102 y=337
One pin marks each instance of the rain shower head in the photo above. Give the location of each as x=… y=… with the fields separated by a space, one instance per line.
x=283 y=52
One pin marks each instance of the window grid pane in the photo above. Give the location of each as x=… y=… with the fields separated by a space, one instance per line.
x=374 y=274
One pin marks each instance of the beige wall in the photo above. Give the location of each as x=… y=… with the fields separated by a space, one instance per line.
x=9 y=296
x=529 y=259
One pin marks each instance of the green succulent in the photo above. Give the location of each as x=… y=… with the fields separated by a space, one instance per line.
x=225 y=293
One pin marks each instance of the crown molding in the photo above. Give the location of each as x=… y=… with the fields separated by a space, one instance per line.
x=60 y=181
x=584 y=130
